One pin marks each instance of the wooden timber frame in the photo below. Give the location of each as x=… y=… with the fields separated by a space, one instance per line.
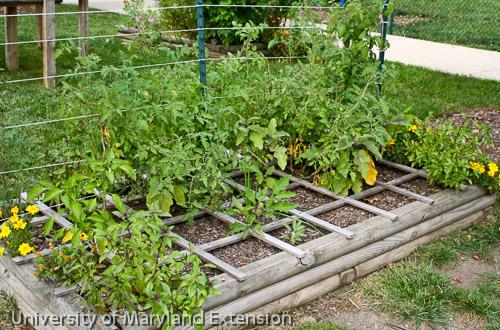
x=297 y=274
x=45 y=22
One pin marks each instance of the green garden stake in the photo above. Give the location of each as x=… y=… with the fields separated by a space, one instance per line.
x=384 y=41
x=391 y=26
x=200 y=25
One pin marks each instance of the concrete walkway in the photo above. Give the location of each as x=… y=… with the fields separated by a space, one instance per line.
x=460 y=60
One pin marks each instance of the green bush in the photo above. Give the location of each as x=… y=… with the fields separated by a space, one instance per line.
x=226 y=17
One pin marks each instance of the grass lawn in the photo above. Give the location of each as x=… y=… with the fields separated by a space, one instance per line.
x=431 y=93
x=463 y=22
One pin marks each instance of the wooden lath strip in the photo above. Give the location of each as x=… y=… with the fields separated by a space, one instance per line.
x=315 y=211
x=403 y=168
x=323 y=224
x=263 y=237
x=406 y=192
x=348 y=200
x=210 y=258
x=47 y=211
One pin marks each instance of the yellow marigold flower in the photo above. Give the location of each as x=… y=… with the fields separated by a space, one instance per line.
x=83 y=237
x=392 y=142
x=2 y=251
x=19 y=224
x=5 y=231
x=25 y=248
x=32 y=209
x=493 y=169
x=14 y=218
x=477 y=167
x=413 y=128
x=14 y=210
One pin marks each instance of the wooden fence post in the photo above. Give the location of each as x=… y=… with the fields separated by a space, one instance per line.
x=49 y=34
x=11 y=50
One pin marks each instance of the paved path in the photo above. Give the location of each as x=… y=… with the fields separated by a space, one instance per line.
x=433 y=55
x=465 y=61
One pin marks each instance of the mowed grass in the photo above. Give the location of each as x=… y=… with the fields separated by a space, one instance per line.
x=432 y=93
x=417 y=291
x=462 y=22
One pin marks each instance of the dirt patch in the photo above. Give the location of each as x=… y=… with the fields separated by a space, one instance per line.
x=470 y=270
x=204 y=230
x=422 y=187
x=409 y=20
x=346 y=216
x=386 y=174
x=308 y=199
x=388 y=200
x=245 y=252
x=310 y=234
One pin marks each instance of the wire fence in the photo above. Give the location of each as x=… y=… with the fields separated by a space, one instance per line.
x=462 y=22
x=200 y=61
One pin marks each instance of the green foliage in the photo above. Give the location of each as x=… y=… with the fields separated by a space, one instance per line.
x=263 y=198
x=450 y=154
x=226 y=17
x=138 y=271
x=297 y=231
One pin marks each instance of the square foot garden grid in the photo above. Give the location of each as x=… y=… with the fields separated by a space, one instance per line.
x=346 y=237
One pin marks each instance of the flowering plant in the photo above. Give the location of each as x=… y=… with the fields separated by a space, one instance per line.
x=16 y=234
x=452 y=155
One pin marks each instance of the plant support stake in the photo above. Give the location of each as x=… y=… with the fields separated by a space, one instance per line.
x=383 y=46
x=200 y=25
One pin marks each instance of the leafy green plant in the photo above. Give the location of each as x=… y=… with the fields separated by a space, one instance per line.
x=226 y=17
x=450 y=154
x=297 y=231
x=140 y=271
x=264 y=198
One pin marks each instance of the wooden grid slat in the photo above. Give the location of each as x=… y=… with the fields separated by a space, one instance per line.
x=406 y=192
x=263 y=237
x=348 y=200
x=403 y=168
x=323 y=224
x=47 y=211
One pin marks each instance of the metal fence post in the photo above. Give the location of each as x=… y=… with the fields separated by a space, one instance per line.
x=384 y=23
x=391 y=26
x=200 y=25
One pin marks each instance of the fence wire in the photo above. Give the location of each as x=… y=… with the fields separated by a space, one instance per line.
x=44 y=122
x=462 y=22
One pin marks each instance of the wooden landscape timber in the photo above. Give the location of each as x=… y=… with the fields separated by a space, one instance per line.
x=283 y=280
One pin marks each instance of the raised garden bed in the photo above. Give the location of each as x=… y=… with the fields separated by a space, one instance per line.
x=346 y=237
